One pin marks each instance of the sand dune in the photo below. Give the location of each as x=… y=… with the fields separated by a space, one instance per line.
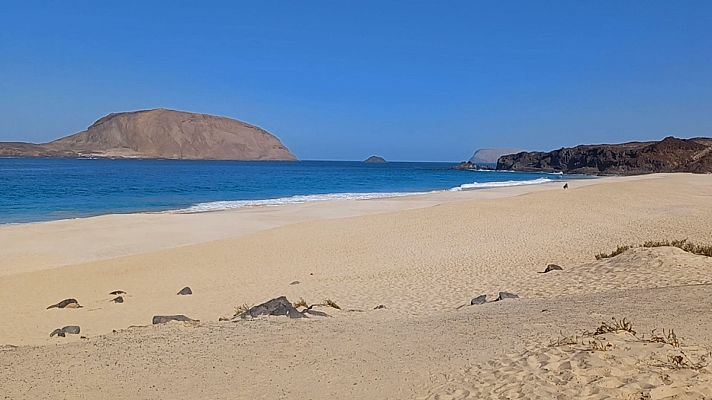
x=421 y=260
x=615 y=365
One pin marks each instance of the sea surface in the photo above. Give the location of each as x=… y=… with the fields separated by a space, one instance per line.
x=33 y=190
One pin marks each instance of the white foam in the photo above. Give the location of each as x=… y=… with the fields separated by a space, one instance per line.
x=229 y=205
x=485 y=185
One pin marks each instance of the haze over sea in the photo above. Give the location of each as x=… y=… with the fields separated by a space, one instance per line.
x=35 y=190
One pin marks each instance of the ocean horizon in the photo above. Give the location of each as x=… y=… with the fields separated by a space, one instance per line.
x=38 y=189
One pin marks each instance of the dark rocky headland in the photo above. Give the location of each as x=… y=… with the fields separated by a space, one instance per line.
x=668 y=155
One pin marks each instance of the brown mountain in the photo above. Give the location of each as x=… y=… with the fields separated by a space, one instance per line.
x=668 y=155
x=164 y=134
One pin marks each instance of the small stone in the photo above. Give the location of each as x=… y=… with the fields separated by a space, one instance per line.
x=67 y=330
x=57 y=332
x=118 y=299
x=552 y=267
x=295 y=283
x=71 y=330
x=162 y=319
x=66 y=303
x=506 y=295
x=379 y=307
x=117 y=292
x=185 y=291
x=481 y=299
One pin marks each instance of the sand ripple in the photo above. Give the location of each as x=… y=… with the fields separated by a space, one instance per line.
x=629 y=368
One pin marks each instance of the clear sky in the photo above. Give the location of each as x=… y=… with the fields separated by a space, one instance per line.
x=408 y=80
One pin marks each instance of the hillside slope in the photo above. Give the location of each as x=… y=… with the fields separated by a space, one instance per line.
x=161 y=133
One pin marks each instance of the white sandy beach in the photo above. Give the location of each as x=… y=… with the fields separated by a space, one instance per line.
x=420 y=256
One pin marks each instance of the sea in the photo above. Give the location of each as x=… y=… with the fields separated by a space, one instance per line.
x=34 y=190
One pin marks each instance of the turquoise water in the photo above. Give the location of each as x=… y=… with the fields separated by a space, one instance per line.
x=49 y=189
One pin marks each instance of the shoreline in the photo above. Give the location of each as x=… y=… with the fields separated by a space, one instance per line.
x=227 y=205
x=56 y=243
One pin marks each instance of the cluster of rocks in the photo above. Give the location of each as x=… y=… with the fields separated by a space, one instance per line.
x=67 y=330
x=117 y=299
x=470 y=166
x=279 y=306
x=482 y=299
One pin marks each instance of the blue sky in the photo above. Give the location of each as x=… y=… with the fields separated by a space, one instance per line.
x=409 y=80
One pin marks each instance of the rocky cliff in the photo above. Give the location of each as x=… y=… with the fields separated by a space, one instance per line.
x=161 y=133
x=490 y=156
x=668 y=155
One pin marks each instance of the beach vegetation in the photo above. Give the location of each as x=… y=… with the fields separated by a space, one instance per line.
x=599 y=345
x=332 y=304
x=301 y=303
x=668 y=338
x=564 y=340
x=241 y=309
x=593 y=341
x=615 y=326
x=684 y=244
x=617 y=251
x=326 y=303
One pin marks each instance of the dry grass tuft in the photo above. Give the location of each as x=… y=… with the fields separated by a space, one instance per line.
x=683 y=244
x=241 y=309
x=301 y=303
x=332 y=304
x=592 y=341
x=616 y=325
x=599 y=345
x=564 y=340
x=326 y=303
x=668 y=338
x=617 y=251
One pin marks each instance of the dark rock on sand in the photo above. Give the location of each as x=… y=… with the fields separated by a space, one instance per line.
x=67 y=303
x=72 y=330
x=481 y=299
x=552 y=267
x=162 y=319
x=295 y=283
x=67 y=330
x=277 y=306
x=185 y=291
x=118 y=299
x=379 y=307
x=117 y=292
x=506 y=295
x=57 y=332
